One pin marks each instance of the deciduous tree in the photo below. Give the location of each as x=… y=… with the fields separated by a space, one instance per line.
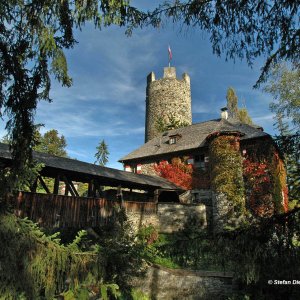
x=232 y=103
x=52 y=143
x=34 y=35
x=284 y=86
x=234 y=112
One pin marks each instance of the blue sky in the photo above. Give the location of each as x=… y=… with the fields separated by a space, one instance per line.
x=107 y=99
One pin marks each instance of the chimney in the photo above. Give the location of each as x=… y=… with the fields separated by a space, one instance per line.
x=224 y=113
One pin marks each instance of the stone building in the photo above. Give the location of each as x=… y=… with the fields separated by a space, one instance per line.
x=168 y=102
x=167 y=99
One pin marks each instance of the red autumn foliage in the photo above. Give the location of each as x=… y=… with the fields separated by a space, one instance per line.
x=285 y=199
x=177 y=172
x=258 y=187
x=281 y=171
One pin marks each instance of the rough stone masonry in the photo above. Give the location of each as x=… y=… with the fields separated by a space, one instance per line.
x=168 y=97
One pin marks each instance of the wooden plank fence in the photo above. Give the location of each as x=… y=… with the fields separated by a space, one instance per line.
x=50 y=210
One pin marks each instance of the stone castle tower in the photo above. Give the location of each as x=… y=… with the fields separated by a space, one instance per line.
x=167 y=99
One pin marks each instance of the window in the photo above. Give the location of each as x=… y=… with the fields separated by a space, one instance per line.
x=128 y=168
x=200 y=160
x=172 y=140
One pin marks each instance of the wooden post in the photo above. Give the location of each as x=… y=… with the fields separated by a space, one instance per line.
x=34 y=186
x=156 y=195
x=94 y=189
x=120 y=194
x=56 y=185
x=90 y=188
x=97 y=188
x=66 y=189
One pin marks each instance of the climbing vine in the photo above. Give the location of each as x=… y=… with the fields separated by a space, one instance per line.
x=226 y=170
x=183 y=174
x=177 y=172
x=265 y=179
x=279 y=185
x=258 y=188
x=168 y=122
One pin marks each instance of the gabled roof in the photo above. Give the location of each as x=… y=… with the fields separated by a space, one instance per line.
x=81 y=171
x=192 y=137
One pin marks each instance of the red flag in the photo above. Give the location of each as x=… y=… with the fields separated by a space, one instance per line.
x=170 y=53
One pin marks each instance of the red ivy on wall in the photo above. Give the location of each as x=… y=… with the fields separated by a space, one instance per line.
x=182 y=174
x=177 y=172
x=258 y=187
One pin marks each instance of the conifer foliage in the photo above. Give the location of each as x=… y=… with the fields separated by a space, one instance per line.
x=101 y=154
x=33 y=37
x=34 y=265
x=38 y=266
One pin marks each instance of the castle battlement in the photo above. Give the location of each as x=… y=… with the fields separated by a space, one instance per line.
x=169 y=73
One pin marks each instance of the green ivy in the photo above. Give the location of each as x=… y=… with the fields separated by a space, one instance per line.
x=227 y=171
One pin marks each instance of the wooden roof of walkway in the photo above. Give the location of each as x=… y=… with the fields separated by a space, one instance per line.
x=81 y=171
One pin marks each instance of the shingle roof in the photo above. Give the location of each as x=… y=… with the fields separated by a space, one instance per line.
x=192 y=137
x=79 y=169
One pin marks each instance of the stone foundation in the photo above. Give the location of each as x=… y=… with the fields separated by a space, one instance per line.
x=161 y=283
x=170 y=217
x=220 y=210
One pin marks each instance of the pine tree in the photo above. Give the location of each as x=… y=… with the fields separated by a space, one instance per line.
x=101 y=154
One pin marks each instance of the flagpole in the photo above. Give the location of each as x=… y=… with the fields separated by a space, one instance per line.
x=169 y=55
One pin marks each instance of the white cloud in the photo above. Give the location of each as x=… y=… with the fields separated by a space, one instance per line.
x=264 y=118
x=200 y=108
x=82 y=154
x=109 y=70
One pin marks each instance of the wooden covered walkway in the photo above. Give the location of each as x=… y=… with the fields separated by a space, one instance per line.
x=99 y=207
x=61 y=211
x=68 y=171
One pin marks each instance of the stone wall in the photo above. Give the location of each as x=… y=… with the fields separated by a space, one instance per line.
x=169 y=217
x=168 y=284
x=147 y=168
x=165 y=98
x=221 y=207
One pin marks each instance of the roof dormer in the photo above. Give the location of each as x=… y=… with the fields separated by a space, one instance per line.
x=174 y=138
